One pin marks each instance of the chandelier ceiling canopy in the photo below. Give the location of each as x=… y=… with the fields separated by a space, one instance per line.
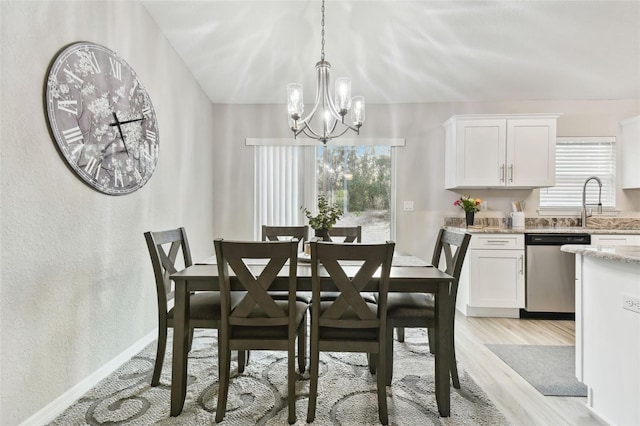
x=332 y=120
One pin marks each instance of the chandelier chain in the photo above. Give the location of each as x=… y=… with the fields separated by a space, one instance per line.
x=322 y=23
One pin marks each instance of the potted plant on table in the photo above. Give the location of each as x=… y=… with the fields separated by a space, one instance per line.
x=470 y=207
x=327 y=216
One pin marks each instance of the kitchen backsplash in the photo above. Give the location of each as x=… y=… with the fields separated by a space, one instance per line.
x=545 y=222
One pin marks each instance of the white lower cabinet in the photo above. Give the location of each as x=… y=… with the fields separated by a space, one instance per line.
x=615 y=240
x=492 y=278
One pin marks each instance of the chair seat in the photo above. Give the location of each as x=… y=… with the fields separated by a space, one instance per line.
x=410 y=305
x=269 y=332
x=202 y=306
x=333 y=295
x=335 y=333
x=206 y=305
x=301 y=296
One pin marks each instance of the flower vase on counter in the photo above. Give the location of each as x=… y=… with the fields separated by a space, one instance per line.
x=469 y=216
x=470 y=207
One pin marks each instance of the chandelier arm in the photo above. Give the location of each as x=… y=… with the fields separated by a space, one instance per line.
x=346 y=129
x=312 y=134
x=327 y=94
x=319 y=86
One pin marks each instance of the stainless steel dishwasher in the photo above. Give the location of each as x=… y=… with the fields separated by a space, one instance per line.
x=550 y=274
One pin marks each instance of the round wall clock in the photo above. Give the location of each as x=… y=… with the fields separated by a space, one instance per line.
x=101 y=118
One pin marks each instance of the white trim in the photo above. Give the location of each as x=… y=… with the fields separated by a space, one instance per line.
x=337 y=142
x=57 y=406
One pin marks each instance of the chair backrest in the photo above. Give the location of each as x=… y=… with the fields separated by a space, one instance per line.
x=350 y=233
x=454 y=247
x=341 y=311
x=273 y=233
x=164 y=247
x=257 y=307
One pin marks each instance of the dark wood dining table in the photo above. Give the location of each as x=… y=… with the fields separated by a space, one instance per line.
x=423 y=279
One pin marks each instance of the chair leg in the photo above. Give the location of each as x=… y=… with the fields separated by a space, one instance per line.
x=389 y=354
x=224 y=367
x=400 y=333
x=190 y=338
x=454 y=370
x=432 y=340
x=302 y=345
x=242 y=361
x=371 y=359
x=382 y=385
x=291 y=381
x=454 y=365
x=162 y=346
x=314 y=365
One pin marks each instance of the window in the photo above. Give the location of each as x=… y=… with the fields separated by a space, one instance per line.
x=358 y=176
x=577 y=159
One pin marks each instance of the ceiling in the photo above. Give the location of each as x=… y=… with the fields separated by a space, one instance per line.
x=396 y=51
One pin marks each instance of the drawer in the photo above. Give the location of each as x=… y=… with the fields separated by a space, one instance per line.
x=497 y=241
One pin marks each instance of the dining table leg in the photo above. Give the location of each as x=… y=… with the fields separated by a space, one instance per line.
x=180 y=348
x=443 y=349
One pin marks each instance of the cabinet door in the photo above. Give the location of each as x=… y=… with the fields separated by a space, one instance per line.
x=481 y=152
x=531 y=152
x=631 y=152
x=496 y=278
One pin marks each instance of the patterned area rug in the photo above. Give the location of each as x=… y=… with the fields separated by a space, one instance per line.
x=346 y=391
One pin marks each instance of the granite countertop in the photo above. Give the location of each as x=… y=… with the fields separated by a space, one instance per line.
x=624 y=254
x=544 y=230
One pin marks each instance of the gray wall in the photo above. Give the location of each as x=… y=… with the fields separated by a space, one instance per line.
x=76 y=281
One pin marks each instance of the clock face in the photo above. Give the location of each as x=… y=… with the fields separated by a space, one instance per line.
x=102 y=119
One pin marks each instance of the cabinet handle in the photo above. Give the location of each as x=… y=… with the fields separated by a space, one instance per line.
x=496 y=242
x=511 y=173
x=521 y=264
x=501 y=173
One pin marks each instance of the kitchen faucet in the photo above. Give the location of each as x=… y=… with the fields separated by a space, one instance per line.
x=584 y=212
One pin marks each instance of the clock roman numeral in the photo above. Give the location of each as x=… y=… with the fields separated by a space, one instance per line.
x=69 y=106
x=72 y=135
x=93 y=166
x=146 y=111
x=151 y=136
x=68 y=72
x=94 y=63
x=116 y=69
x=117 y=177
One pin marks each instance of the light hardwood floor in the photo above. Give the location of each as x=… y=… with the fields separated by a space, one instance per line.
x=520 y=402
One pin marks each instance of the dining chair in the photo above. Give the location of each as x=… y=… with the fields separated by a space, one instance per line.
x=259 y=321
x=204 y=311
x=350 y=233
x=349 y=323
x=417 y=310
x=277 y=233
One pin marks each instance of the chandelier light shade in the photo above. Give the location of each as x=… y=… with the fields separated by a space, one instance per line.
x=333 y=113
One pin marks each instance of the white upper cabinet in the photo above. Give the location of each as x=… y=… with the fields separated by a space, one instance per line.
x=630 y=152
x=500 y=151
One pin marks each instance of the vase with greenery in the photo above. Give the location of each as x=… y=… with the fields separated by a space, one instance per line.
x=470 y=207
x=327 y=216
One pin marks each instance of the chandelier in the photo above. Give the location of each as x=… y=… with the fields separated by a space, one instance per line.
x=332 y=111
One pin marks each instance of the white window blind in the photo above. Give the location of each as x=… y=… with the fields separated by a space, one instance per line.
x=278 y=186
x=577 y=159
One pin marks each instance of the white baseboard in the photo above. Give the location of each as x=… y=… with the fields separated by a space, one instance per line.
x=57 y=406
